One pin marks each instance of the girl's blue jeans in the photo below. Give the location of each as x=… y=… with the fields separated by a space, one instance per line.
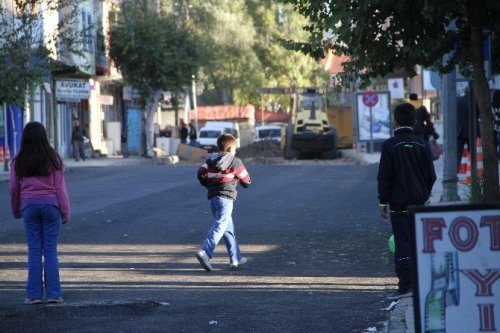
x=223 y=227
x=41 y=224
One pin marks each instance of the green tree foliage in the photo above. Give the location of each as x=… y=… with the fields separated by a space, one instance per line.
x=28 y=52
x=153 y=54
x=240 y=48
x=282 y=67
x=380 y=36
x=230 y=60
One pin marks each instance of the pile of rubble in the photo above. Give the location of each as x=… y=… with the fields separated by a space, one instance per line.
x=261 y=151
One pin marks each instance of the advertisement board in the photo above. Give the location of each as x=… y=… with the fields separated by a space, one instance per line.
x=373 y=119
x=456 y=252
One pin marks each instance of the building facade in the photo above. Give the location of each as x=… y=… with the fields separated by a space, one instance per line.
x=83 y=86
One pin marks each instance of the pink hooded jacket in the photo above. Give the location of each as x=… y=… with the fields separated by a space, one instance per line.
x=50 y=190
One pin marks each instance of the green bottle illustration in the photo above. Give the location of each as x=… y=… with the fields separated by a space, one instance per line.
x=444 y=292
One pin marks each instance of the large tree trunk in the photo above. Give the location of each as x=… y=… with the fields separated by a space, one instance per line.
x=482 y=90
x=151 y=109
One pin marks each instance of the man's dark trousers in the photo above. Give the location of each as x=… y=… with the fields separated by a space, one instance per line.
x=400 y=222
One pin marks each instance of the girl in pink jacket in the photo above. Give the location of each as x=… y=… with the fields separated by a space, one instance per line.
x=38 y=195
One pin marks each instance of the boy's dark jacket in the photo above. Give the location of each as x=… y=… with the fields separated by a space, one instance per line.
x=221 y=173
x=406 y=171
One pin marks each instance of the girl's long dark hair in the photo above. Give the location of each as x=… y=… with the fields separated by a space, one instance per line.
x=36 y=157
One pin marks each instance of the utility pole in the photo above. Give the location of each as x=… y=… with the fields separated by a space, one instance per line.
x=449 y=109
x=195 y=105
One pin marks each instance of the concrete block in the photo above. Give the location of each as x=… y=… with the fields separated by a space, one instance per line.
x=190 y=153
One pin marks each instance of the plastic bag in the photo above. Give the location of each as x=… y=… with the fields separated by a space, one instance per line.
x=392 y=244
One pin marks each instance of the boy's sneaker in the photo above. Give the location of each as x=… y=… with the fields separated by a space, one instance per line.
x=398 y=295
x=242 y=261
x=32 y=301
x=55 y=300
x=204 y=260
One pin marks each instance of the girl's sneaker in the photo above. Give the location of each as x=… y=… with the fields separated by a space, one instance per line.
x=32 y=301
x=55 y=300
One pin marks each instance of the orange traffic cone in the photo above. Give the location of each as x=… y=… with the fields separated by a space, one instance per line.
x=464 y=170
x=2 y=158
x=468 y=174
x=479 y=154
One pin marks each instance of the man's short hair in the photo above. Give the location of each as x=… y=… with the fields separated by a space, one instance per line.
x=413 y=97
x=404 y=114
x=225 y=141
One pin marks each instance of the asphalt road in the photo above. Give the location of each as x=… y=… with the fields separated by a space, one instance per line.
x=316 y=248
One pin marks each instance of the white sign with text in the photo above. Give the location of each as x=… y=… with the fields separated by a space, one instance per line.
x=457 y=261
x=72 y=90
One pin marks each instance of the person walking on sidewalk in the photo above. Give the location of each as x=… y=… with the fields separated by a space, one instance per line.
x=405 y=177
x=220 y=174
x=38 y=195
x=78 y=136
x=424 y=127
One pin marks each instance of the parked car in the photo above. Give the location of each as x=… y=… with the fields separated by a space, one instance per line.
x=209 y=133
x=268 y=132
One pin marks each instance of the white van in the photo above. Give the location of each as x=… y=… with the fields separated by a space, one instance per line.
x=208 y=135
x=267 y=132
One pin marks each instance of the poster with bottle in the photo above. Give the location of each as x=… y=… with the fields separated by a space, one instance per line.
x=456 y=260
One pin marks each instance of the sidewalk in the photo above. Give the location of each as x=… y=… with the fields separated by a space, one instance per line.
x=95 y=163
x=106 y=162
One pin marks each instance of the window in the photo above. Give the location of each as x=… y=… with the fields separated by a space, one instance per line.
x=209 y=134
x=87 y=32
x=24 y=7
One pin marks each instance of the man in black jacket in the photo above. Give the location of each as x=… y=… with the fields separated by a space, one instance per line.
x=78 y=135
x=405 y=177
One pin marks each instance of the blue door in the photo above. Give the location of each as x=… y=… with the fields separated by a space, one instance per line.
x=134 y=131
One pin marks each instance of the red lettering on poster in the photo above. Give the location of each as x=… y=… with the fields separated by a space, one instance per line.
x=433 y=230
x=487 y=317
x=472 y=233
x=483 y=283
x=493 y=222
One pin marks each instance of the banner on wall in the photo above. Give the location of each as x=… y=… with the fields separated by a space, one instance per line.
x=456 y=251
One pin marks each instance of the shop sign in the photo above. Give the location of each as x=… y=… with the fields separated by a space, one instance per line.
x=130 y=93
x=106 y=99
x=72 y=90
x=456 y=251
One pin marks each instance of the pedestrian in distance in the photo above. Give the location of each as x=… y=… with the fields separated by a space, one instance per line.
x=38 y=195
x=192 y=134
x=220 y=174
x=463 y=125
x=183 y=132
x=424 y=127
x=78 y=136
x=405 y=177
